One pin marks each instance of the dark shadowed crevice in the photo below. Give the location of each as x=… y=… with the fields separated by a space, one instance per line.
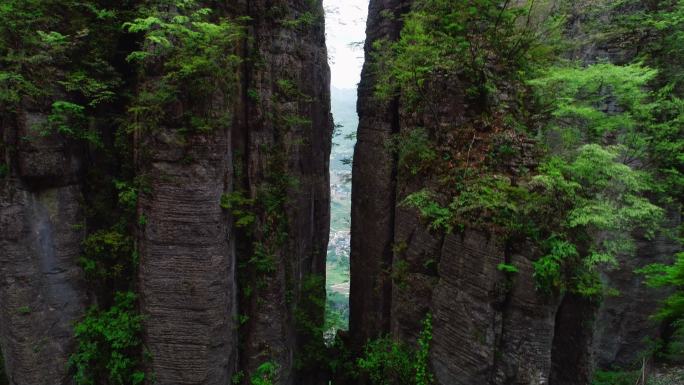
x=570 y=355
x=3 y=375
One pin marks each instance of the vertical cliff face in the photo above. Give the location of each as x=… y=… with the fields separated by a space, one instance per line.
x=187 y=264
x=624 y=321
x=373 y=191
x=229 y=170
x=488 y=327
x=207 y=285
x=41 y=288
x=621 y=323
x=187 y=258
x=283 y=141
x=227 y=290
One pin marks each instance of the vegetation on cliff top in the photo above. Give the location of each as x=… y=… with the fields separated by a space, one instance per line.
x=74 y=62
x=191 y=54
x=574 y=158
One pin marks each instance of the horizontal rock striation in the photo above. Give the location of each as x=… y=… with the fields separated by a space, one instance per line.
x=199 y=273
x=488 y=327
x=201 y=325
x=187 y=262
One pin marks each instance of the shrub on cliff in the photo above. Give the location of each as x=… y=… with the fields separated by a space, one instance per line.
x=389 y=362
x=672 y=309
x=584 y=154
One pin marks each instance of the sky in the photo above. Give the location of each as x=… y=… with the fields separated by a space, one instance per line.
x=345 y=26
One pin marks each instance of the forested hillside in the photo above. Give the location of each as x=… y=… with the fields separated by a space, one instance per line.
x=517 y=188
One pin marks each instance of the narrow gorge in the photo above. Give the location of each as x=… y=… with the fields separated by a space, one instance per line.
x=188 y=195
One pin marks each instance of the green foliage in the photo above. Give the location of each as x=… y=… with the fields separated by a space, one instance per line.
x=198 y=63
x=291 y=121
x=584 y=187
x=265 y=374
x=389 y=362
x=605 y=101
x=237 y=378
x=127 y=195
x=270 y=222
x=548 y=270
x=661 y=22
x=309 y=316
x=490 y=199
x=306 y=19
x=24 y=310
x=287 y=87
x=659 y=275
x=461 y=38
x=440 y=217
x=107 y=344
x=340 y=360
x=672 y=309
x=253 y=94
x=266 y=218
x=107 y=254
x=109 y=258
x=240 y=206
x=414 y=151
x=602 y=377
x=312 y=304
x=594 y=193
x=400 y=271
x=43 y=54
x=263 y=259
x=481 y=202
x=421 y=364
x=69 y=119
x=609 y=150
x=578 y=98
x=507 y=268
x=336 y=314
x=593 y=188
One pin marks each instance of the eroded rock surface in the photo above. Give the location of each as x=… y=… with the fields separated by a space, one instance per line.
x=488 y=328
x=41 y=229
x=285 y=140
x=373 y=191
x=201 y=326
x=199 y=283
x=187 y=263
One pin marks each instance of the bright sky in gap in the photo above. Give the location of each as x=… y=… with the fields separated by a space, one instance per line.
x=345 y=26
